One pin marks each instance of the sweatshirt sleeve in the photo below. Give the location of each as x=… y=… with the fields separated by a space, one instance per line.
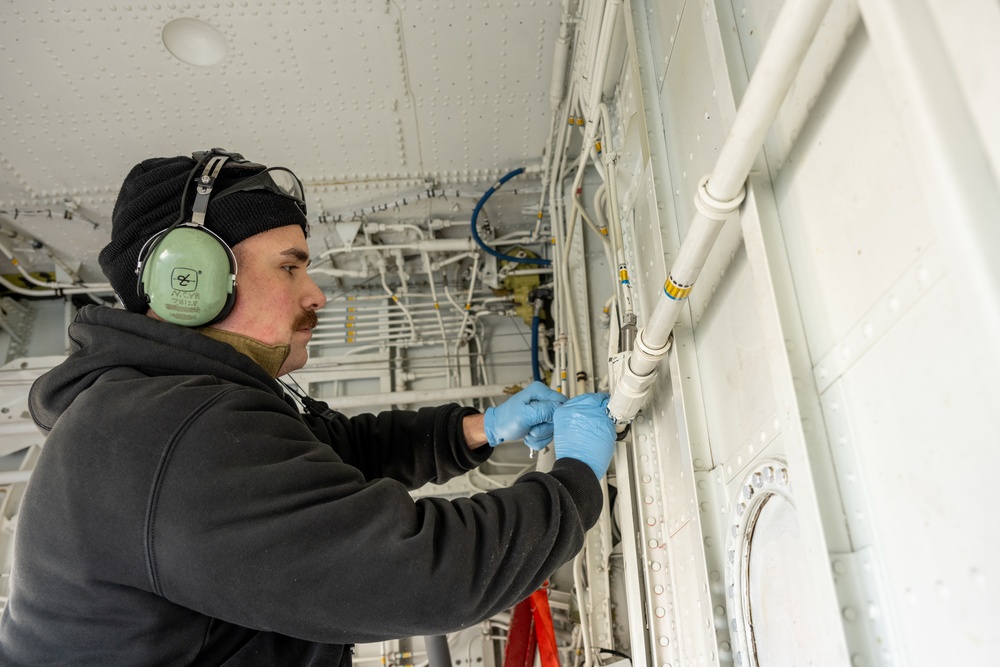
x=412 y=447
x=268 y=528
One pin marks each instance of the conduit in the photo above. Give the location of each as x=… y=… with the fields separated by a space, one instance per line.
x=425 y=245
x=720 y=194
x=599 y=68
x=617 y=241
x=14 y=477
x=439 y=396
x=52 y=285
x=59 y=291
x=559 y=61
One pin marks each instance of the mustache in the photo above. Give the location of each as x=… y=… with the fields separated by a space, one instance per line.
x=306 y=319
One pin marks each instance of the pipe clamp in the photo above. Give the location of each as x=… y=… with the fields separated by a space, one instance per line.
x=652 y=352
x=716 y=209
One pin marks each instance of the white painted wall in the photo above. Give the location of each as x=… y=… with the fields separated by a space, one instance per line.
x=835 y=330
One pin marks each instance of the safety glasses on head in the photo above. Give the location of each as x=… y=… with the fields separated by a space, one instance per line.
x=277 y=180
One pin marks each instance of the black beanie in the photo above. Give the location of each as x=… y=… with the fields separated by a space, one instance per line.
x=150 y=201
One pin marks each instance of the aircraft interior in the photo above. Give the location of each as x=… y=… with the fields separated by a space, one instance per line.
x=769 y=229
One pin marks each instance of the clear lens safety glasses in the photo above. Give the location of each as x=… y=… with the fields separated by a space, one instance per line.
x=278 y=180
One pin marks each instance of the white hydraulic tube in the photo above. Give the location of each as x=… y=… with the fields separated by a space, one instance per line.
x=343 y=273
x=528 y=272
x=610 y=14
x=557 y=87
x=59 y=291
x=591 y=38
x=425 y=245
x=720 y=193
x=14 y=477
x=408 y=397
x=600 y=68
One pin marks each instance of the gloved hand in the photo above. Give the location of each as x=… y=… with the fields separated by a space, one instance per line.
x=584 y=431
x=527 y=414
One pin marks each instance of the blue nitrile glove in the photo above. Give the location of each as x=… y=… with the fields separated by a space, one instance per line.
x=527 y=414
x=584 y=431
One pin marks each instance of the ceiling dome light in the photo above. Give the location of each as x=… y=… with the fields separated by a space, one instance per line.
x=194 y=42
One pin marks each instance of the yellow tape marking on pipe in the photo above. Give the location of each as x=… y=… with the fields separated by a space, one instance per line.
x=674 y=290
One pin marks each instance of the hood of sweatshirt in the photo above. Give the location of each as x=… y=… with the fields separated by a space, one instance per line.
x=110 y=340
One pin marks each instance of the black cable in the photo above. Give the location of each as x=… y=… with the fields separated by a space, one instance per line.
x=614 y=652
x=311 y=405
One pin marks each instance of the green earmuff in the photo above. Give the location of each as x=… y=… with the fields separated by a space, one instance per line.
x=189 y=277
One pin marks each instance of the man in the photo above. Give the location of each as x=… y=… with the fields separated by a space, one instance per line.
x=183 y=511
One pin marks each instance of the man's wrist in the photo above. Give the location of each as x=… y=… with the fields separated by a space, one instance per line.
x=474 y=431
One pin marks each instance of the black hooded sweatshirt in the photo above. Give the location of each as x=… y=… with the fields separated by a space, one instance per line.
x=183 y=512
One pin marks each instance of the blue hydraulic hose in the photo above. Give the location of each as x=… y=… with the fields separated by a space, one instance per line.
x=475 y=232
x=535 y=370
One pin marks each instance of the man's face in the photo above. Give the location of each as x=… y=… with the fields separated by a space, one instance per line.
x=276 y=299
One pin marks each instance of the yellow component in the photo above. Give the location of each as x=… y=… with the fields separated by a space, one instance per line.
x=623 y=275
x=598 y=146
x=521 y=287
x=468 y=306
x=350 y=339
x=436 y=306
x=675 y=291
x=571 y=120
x=350 y=298
x=350 y=318
x=350 y=309
x=13 y=260
x=539 y=215
x=580 y=121
x=395 y=298
x=553 y=240
x=349 y=325
x=604 y=231
x=19 y=280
